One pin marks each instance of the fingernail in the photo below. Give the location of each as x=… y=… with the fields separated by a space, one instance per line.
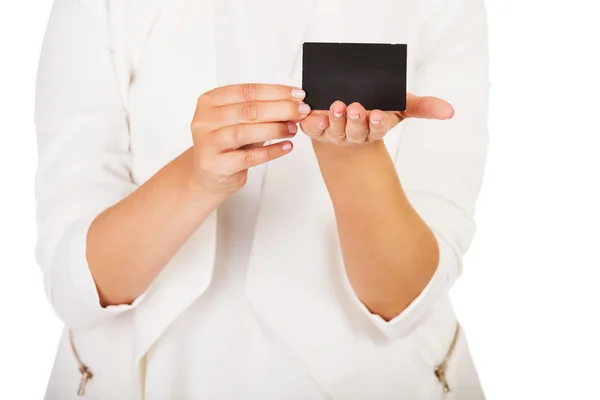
x=375 y=122
x=286 y=147
x=304 y=108
x=353 y=116
x=337 y=114
x=292 y=128
x=298 y=94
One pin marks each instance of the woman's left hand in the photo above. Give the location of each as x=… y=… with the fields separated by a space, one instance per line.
x=348 y=125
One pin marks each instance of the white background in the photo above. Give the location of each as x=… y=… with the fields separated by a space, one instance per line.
x=529 y=296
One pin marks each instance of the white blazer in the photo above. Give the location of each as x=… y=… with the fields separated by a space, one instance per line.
x=117 y=87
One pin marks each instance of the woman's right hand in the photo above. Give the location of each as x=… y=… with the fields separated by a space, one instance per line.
x=231 y=125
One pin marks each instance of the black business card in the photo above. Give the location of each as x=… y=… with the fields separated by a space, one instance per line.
x=372 y=74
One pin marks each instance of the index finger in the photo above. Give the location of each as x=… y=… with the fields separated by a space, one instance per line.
x=233 y=94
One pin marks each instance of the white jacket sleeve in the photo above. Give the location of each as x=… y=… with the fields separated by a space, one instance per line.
x=441 y=163
x=84 y=158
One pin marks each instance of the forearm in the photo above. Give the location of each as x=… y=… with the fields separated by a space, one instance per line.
x=130 y=243
x=390 y=254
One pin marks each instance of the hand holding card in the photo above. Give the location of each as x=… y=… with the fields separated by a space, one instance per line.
x=358 y=92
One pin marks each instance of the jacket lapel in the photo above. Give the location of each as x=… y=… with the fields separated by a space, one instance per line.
x=189 y=273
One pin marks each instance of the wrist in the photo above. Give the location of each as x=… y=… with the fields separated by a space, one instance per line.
x=194 y=190
x=348 y=169
x=345 y=151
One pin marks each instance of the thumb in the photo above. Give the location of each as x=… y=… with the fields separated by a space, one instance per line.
x=427 y=107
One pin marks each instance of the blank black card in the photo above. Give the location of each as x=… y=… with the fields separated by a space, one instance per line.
x=372 y=74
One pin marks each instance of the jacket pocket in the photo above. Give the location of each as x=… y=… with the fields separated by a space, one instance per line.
x=97 y=364
x=443 y=357
x=440 y=370
x=84 y=370
x=462 y=380
x=452 y=370
x=70 y=375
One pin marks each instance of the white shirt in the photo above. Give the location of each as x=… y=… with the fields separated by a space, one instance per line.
x=243 y=311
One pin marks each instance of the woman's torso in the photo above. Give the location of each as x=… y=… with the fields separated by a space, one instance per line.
x=219 y=345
